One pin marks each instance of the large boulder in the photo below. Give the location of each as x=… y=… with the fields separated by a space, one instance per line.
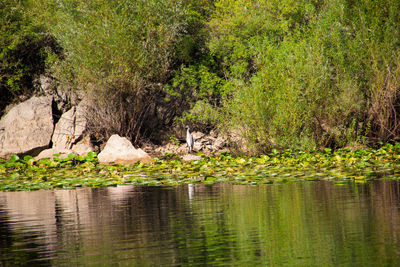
x=27 y=128
x=120 y=150
x=71 y=127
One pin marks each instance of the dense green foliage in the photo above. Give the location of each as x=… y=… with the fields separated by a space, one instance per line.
x=122 y=53
x=306 y=73
x=23 y=51
x=282 y=74
x=342 y=166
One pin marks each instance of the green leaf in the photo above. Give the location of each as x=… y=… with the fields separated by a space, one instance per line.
x=71 y=156
x=14 y=158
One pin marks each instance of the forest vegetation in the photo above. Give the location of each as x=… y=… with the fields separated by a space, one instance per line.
x=283 y=74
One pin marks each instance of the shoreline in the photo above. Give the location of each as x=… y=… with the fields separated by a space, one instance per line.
x=341 y=166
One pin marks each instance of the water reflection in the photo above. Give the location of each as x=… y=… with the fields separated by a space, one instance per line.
x=294 y=224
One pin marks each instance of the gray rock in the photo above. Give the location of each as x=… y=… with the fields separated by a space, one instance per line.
x=83 y=147
x=46 y=84
x=63 y=95
x=27 y=128
x=64 y=132
x=70 y=128
x=80 y=118
x=198 y=135
x=49 y=153
x=190 y=157
x=120 y=150
x=219 y=143
x=197 y=146
x=209 y=144
x=171 y=148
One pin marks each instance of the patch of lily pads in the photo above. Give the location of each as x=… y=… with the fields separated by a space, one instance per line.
x=341 y=166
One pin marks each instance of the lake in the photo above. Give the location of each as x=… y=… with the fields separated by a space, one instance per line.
x=288 y=224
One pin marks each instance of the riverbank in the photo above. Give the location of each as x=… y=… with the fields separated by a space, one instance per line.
x=281 y=75
x=342 y=166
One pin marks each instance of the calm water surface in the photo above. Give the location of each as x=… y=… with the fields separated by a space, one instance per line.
x=293 y=224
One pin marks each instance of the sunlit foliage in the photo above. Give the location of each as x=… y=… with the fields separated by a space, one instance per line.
x=282 y=74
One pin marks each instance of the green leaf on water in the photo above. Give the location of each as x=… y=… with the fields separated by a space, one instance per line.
x=14 y=158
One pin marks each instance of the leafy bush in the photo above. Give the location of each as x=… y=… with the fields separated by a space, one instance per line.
x=24 y=51
x=122 y=53
x=307 y=73
x=259 y=46
x=283 y=74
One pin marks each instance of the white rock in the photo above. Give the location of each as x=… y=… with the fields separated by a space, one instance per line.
x=27 y=128
x=49 y=153
x=64 y=130
x=70 y=127
x=83 y=147
x=120 y=150
x=198 y=135
x=189 y=157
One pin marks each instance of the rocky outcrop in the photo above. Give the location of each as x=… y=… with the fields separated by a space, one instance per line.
x=83 y=147
x=27 y=128
x=64 y=130
x=209 y=144
x=70 y=128
x=56 y=123
x=46 y=122
x=63 y=96
x=120 y=150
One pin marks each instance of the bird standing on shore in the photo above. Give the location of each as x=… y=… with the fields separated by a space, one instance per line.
x=189 y=139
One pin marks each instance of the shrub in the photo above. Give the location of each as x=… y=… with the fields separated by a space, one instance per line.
x=306 y=73
x=123 y=51
x=24 y=51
